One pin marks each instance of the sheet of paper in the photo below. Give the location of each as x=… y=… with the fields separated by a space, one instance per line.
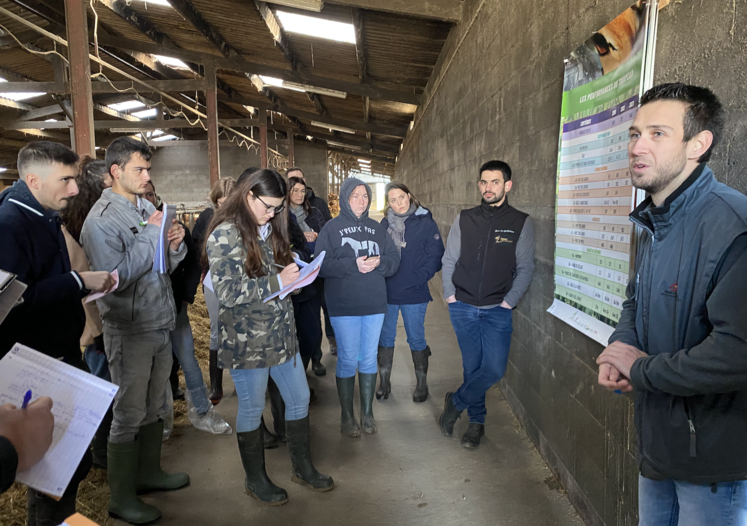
x=5 y=277
x=208 y=281
x=96 y=295
x=11 y=297
x=162 y=248
x=80 y=402
x=306 y=276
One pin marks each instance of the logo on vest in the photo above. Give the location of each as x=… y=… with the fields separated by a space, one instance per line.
x=500 y=240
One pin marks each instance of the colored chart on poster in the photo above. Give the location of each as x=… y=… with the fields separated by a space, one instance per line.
x=593 y=234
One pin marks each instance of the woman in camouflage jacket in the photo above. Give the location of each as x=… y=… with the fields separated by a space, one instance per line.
x=248 y=244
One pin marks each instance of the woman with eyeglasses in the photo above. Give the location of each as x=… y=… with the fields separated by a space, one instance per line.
x=359 y=256
x=250 y=259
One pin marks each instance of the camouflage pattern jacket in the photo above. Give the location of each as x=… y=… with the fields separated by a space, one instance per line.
x=253 y=334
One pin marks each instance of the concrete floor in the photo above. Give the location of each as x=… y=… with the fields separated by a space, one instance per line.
x=408 y=473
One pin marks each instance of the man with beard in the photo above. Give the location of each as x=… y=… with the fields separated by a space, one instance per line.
x=680 y=345
x=50 y=319
x=121 y=233
x=487 y=267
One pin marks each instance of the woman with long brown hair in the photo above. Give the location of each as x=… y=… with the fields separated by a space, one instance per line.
x=250 y=259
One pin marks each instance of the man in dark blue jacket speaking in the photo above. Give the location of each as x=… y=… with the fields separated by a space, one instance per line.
x=681 y=342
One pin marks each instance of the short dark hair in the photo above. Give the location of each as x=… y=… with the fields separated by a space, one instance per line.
x=492 y=166
x=704 y=111
x=44 y=153
x=294 y=169
x=120 y=152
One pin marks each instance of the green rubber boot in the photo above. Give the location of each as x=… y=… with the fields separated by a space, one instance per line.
x=345 y=392
x=367 y=385
x=122 y=464
x=150 y=476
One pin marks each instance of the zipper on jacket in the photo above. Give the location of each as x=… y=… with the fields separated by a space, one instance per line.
x=134 y=295
x=484 y=259
x=693 y=441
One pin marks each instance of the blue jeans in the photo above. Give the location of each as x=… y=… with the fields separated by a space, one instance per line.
x=251 y=386
x=357 y=343
x=97 y=362
x=660 y=503
x=414 y=318
x=484 y=337
x=183 y=345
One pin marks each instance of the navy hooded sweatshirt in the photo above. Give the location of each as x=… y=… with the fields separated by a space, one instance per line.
x=420 y=260
x=345 y=238
x=51 y=318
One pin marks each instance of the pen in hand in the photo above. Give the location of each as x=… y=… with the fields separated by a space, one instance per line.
x=26 y=399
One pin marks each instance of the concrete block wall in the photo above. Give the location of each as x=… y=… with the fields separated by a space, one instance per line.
x=181 y=173
x=496 y=94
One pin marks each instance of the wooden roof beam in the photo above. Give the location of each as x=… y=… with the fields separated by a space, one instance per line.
x=191 y=15
x=443 y=10
x=282 y=42
x=360 y=49
x=239 y=63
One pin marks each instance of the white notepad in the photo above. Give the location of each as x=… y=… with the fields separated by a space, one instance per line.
x=160 y=264
x=80 y=402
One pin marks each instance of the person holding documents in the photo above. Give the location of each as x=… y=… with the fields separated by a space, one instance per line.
x=359 y=256
x=250 y=259
x=123 y=232
x=51 y=318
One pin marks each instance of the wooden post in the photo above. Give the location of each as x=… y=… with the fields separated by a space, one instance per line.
x=263 y=157
x=211 y=94
x=291 y=150
x=80 y=76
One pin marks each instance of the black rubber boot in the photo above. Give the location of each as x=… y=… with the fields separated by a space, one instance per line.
x=346 y=392
x=317 y=366
x=122 y=475
x=277 y=407
x=420 y=361
x=449 y=416
x=216 y=378
x=367 y=385
x=150 y=476
x=471 y=438
x=269 y=440
x=385 y=359
x=299 y=446
x=257 y=484
x=101 y=439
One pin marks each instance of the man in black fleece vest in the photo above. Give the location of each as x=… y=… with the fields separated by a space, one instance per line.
x=487 y=267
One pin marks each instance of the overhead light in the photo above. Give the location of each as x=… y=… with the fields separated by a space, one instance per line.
x=126 y=105
x=166 y=138
x=412 y=124
x=341 y=145
x=3 y=170
x=98 y=147
x=364 y=161
x=151 y=112
x=261 y=81
x=172 y=62
x=157 y=2
x=331 y=127
x=51 y=120
x=308 y=5
x=317 y=27
x=309 y=137
x=155 y=133
x=250 y=109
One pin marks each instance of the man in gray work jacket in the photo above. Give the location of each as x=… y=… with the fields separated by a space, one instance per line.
x=680 y=344
x=487 y=267
x=121 y=233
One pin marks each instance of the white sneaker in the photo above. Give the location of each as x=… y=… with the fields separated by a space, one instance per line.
x=210 y=421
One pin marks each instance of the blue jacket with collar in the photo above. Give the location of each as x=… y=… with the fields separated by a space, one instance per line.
x=51 y=318
x=420 y=259
x=685 y=309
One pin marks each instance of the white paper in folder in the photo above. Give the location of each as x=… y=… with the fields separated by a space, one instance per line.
x=80 y=402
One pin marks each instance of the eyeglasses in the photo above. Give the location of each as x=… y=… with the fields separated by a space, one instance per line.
x=275 y=209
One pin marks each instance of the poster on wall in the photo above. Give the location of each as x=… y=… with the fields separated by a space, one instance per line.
x=604 y=79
